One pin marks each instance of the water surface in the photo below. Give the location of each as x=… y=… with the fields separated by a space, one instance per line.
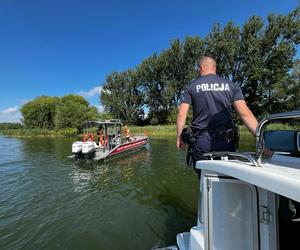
x=139 y=201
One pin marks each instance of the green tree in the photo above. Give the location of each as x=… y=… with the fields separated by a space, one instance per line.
x=258 y=58
x=224 y=46
x=182 y=63
x=72 y=111
x=10 y=125
x=158 y=92
x=279 y=48
x=293 y=88
x=40 y=112
x=165 y=75
x=251 y=69
x=122 y=96
x=105 y=116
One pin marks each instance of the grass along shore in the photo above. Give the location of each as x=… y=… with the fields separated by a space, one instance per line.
x=158 y=130
x=28 y=132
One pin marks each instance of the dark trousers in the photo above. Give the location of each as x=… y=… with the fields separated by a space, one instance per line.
x=208 y=142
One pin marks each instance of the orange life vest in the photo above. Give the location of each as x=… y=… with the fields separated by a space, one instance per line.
x=126 y=132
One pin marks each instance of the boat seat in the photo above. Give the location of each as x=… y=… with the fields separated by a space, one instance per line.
x=289 y=223
x=283 y=141
x=287 y=209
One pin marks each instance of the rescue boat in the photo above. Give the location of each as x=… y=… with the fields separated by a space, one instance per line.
x=103 y=140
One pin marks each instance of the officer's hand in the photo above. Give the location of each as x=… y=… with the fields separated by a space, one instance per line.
x=268 y=153
x=180 y=144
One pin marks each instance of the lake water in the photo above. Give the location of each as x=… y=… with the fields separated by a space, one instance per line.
x=140 y=201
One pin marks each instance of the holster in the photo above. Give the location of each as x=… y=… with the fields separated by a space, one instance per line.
x=188 y=136
x=228 y=133
x=236 y=136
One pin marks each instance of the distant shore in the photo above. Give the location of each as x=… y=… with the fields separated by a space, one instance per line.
x=157 y=130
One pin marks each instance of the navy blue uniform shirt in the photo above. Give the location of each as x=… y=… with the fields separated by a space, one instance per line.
x=211 y=97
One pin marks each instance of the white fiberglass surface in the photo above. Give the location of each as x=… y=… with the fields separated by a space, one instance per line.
x=232 y=215
x=275 y=176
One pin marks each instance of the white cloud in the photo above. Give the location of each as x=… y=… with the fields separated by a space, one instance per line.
x=92 y=92
x=10 y=110
x=11 y=114
x=100 y=108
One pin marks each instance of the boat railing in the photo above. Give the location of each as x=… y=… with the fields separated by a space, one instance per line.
x=235 y=155
x=136 y=134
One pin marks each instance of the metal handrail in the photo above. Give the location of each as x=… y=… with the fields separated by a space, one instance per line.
x=246 y=156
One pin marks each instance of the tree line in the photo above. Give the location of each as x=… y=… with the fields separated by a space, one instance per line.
x=10 y=125
x=258 y=56
x=54 y=113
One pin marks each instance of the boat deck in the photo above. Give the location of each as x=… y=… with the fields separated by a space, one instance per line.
x=100 y=155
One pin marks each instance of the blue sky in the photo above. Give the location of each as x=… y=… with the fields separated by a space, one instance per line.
x=54 y=48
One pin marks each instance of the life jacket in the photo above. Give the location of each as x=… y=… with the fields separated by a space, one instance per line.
x=84 y=137
x=126 y=132
x=101 y=138
x=88 y=137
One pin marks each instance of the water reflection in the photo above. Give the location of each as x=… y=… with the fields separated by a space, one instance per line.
x=108 y=175
x=47 y=148
x=11 y=151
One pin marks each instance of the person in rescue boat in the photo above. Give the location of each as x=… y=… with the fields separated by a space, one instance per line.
x=212 y=98
x=100 y=136
x=126 y=133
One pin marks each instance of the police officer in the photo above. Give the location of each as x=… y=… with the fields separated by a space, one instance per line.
x=212 y=98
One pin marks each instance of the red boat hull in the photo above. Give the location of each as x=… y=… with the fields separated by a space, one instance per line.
x=129 y=146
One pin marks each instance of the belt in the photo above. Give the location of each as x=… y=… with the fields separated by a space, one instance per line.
x=229 y=133
x=204 y=132
x=211 y=133
x=215 y=132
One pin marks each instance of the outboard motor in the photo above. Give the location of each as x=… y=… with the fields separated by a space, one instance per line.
x=77 y=148
x=88 y=149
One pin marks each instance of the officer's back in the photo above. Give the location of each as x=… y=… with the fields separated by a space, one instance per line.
x=211 y=97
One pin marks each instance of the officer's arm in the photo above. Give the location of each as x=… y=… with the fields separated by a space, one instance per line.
x=246 y=115
x=181 y=117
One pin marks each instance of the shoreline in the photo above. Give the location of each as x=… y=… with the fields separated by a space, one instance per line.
x=153 y=131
